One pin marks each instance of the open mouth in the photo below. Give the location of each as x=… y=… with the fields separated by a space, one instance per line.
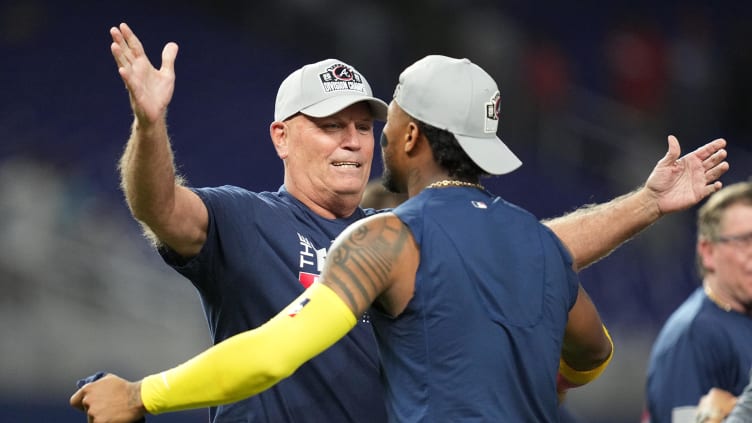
x=346 y=164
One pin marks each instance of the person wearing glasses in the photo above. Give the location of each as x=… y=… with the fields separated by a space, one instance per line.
x=707 y=342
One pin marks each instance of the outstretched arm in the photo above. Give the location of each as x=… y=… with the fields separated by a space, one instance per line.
x=675 y=184
x=173 y=213
x=241 y=366
x=362 y=265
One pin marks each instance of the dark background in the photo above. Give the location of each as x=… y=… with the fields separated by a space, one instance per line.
x=589 y=93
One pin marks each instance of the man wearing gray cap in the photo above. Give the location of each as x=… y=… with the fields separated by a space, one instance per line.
x=473 y=300
x=249 y=254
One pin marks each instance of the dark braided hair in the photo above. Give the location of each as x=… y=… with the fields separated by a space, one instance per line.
x=449 y=154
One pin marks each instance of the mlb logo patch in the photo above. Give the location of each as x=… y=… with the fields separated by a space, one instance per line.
x=479 y=204
x=294 y=312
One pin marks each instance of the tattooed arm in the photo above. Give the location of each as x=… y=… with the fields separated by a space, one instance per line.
x=374 y=260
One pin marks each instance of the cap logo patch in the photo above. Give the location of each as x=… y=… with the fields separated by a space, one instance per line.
x=493 y=108
x=340 y=77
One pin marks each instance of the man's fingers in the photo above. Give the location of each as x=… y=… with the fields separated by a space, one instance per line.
x=117 y=53
x=715 y=172
x=120 y=49
x=117 y=36
x=169 y=53
x=674 y=150
x=711 y=188
x=77 y=399
x=710 y=148
x=715 y=159
x=133 y=42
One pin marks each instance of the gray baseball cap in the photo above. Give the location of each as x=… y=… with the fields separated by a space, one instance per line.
x=458 y=96
x=323 y=89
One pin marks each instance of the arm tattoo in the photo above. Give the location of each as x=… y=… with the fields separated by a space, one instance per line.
x=361 y=264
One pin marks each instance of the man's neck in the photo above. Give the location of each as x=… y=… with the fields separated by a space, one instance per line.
x=723 y=299
x=330 y=206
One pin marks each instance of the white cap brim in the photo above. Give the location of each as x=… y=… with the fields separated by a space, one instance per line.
x=336 y=104
x=490 y=154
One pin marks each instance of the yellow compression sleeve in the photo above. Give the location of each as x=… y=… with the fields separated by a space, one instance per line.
x=252 y=361
x=575 y=378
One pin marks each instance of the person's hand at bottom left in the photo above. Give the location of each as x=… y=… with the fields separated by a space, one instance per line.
x=110 y=399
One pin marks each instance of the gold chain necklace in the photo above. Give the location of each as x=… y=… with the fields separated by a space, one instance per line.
x=723 y=305
x=452 y=183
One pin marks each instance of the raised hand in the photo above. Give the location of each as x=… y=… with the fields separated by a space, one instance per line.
x=678 y=183
x=150 y=89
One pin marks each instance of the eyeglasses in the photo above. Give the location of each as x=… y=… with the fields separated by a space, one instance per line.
x=740 y=241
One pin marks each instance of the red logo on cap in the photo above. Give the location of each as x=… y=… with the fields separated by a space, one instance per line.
x=343 y=73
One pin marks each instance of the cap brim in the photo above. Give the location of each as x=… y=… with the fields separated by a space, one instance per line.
x=336 y=104
x=490 y=154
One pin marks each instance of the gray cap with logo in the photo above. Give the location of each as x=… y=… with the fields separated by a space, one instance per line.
x=323 y=89
x=458 y=96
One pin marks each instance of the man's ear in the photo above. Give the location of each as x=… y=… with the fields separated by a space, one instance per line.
x=705 y=253
x=412 y=135
x=279 y=132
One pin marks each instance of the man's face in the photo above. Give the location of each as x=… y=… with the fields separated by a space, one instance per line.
x=391 y=139
x=331 y=155
x=729 y=260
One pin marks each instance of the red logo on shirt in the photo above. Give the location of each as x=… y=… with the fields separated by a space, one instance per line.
x=307 y=279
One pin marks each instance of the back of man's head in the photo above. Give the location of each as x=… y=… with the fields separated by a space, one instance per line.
x=458 y=96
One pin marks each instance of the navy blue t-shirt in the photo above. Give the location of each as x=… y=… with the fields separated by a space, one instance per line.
x=481 y=337
x=700 y=347
x=262 y=250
